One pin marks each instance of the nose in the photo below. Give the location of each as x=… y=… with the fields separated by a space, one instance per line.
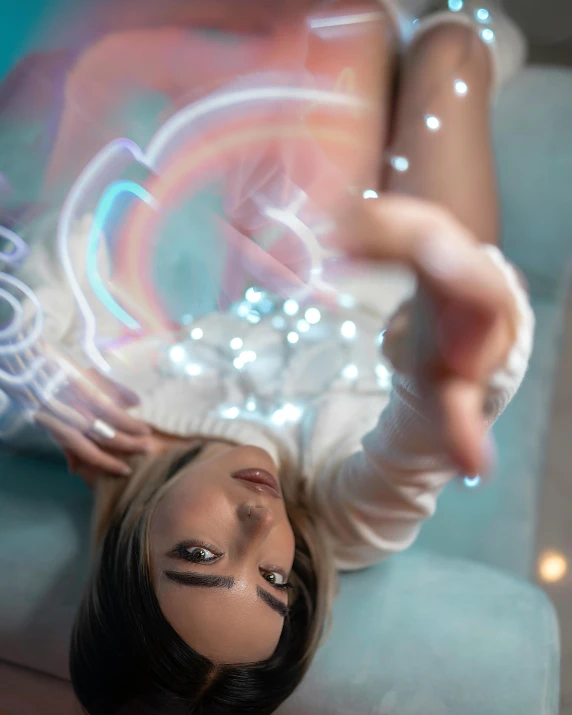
x=257 y=519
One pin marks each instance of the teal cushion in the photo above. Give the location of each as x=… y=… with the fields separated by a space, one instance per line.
x=533 y=150
x=44 y=551
x=418 y=634
x=428 y=635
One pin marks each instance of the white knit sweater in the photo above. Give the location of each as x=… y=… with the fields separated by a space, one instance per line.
x=371 y=452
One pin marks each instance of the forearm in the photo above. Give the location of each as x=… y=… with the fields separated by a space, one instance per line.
x=375 y=502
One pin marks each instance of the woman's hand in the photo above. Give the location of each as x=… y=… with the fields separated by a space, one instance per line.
x=88 y=419
x=461 y=324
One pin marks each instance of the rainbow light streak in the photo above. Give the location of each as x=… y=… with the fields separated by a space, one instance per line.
x=101 y=215
x=20 y=252
x=112 y=159
x=108 y=164
x=318 y=23
x=289 y=219
x=159 y=149
x=16 y=344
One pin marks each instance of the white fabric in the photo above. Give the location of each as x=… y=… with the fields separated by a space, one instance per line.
x=374 y=478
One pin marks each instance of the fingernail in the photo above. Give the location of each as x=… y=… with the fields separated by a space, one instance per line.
x=443 y=258
x=126 y=470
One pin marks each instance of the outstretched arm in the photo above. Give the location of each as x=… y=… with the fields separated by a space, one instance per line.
x=460 y=351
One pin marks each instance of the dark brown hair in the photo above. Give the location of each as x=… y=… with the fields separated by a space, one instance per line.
x=125 y=657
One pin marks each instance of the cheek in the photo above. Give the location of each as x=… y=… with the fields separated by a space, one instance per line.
x=285 y=541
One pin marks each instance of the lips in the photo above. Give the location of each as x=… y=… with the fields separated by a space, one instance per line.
x=259 y=480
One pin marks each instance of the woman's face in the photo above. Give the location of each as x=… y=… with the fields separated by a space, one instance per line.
x=222 y=549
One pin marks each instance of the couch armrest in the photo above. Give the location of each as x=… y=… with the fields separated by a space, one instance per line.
x=426 y=635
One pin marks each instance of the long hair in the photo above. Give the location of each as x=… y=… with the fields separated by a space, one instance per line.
x=125 y=657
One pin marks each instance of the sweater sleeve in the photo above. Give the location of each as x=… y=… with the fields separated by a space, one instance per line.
x=374 y=502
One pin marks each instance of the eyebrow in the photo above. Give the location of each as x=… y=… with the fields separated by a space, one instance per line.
x=191 y=578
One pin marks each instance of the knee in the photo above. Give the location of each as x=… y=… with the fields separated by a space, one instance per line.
x=453 y=46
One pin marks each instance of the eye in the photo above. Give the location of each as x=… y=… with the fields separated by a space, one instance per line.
x=201 y=555
x=276 y=578
x=197 y=554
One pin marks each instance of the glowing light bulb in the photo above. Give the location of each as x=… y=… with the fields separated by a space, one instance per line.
x=247 y=356
x=251 y=405
x=303 y=326
x=197 y=334
x=383 y=376
x=456 y=5
x=193 y=370
x=552 y=566
x=487 y=35
x=231 y=413
x=400 y=163
x=349 y=330
x=432 y=122
x=291 y=412
x=236 y=343
x=177 y=354
x=313 y=316
x=461 y=88
x=243 y=310
x=482 y=14
x=253 y=317
x=253 y=295
x=472 y=482
x=370 y=194
x=350 y=372
x=279 y=417
x=293 y=338
x=291 y=307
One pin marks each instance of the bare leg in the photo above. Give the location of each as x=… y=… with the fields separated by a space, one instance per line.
x=441 y=149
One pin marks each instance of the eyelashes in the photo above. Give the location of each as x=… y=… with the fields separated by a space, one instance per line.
x=197 y=553
x=201 y=553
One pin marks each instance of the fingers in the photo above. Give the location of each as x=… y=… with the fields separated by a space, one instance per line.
x=82 y=447
x=118 y=394
x=460 y=403
x=80 y=403
x=120 y=442
x=122 y=421
x=474 y=305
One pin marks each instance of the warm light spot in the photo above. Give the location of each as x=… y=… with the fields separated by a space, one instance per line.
x=552 y=566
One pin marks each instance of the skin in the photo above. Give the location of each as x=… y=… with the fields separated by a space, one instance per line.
x=251 y=535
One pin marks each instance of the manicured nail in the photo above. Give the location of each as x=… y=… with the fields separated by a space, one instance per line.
x=443 y=258
x=126 y=470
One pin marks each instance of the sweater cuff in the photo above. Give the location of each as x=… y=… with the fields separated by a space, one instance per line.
x=505 y=381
